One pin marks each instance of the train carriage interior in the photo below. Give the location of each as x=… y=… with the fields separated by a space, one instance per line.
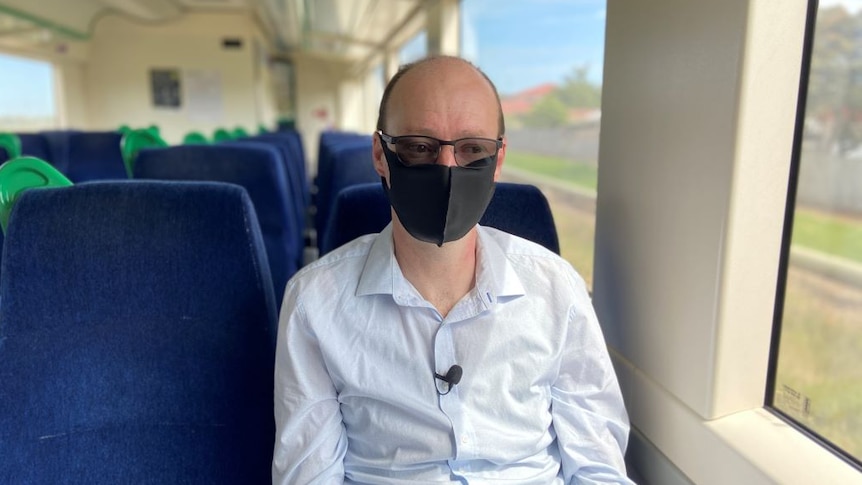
x=177 y=161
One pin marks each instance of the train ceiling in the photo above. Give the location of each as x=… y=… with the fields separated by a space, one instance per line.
x=351 y=30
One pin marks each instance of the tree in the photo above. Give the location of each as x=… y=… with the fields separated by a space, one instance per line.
x=549 y=112
x=578 y=92
x=835 y=78
x=575 y=92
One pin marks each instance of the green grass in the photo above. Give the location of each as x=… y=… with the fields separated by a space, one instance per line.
x=827 y=233
x=575 y=228
x=818 y=358
x=571 y=171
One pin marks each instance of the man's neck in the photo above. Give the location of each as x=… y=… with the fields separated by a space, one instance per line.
x=442 y=275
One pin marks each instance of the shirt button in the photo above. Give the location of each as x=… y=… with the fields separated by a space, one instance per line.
x=464 y=440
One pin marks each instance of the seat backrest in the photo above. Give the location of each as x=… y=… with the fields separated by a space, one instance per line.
x=293 y=144
x=35 y=145
x=329 y=140
x=350 y=164
x=299 y=148
x=296 y=183
x=95 y=156
x=257 y=168
x=358 y=210
x=522 y=210
x=58 y=147
x=518 y=209
x=137 y=327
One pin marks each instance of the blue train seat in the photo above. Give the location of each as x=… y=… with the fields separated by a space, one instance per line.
x=254 y=166
x=35 y=145
x=518 y=209
x=299 y=148
x=297 y=185
x=293 y=144
x=328 y=141
x=58 y=147
x=137 y=331
x=358 y=210
x=349 y=164
x=50 y=146
x=95 y=156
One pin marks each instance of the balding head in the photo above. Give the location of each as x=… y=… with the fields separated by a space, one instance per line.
x=442 y=69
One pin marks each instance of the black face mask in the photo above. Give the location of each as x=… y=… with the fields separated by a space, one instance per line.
x=436 y=203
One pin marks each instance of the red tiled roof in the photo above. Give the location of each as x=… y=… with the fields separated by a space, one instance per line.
x=524 y=101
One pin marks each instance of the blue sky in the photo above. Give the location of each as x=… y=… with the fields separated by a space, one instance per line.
x=25 y=87
x=523 y=44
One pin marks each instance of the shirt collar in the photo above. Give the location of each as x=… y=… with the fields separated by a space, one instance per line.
x=376 y=277
x=495 y=276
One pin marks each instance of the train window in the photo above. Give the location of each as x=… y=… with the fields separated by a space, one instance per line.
x=26 y=94
x=549 y=76
x=816 y=366
x=414 y=49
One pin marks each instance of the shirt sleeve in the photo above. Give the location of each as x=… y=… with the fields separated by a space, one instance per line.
x=310 y=437
x=588 y=412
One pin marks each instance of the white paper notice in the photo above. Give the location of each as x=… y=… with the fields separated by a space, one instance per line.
x=204 y=95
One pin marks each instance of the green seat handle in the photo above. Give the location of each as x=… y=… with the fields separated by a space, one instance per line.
x=20 y=174
x=11 y=143
x=195 y=138
x=133 y=142
x=222 y=134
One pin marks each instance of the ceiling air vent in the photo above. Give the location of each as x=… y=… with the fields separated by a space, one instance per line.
x=231 y=43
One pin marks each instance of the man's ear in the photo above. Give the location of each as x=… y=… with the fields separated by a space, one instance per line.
x=380 y=165
x=501 y=157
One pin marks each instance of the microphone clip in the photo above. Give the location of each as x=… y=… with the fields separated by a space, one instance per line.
x=452 y=378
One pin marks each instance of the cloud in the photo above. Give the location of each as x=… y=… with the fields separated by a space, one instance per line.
x=852 y=6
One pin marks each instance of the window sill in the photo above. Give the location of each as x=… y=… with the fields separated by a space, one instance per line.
x=752 y=447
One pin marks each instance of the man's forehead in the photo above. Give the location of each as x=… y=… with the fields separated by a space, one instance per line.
x=440 y=92
x=444 y=79
x=450 y=69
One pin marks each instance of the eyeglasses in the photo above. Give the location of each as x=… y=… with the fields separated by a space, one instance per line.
x=415 y=150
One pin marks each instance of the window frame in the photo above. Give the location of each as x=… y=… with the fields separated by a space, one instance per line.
x=786 y=239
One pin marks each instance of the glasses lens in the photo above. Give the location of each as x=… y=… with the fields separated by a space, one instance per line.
x=417 y=150
x=470 y=150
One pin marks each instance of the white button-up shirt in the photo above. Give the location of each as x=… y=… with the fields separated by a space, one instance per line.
x=357 y=400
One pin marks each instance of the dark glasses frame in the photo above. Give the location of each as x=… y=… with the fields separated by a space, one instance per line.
x=498 y=143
